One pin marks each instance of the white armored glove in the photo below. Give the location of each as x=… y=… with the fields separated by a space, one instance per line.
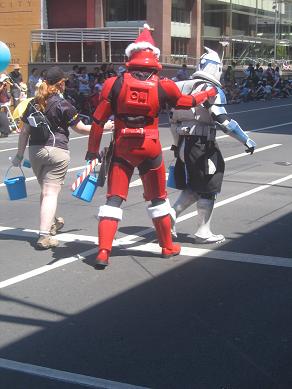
x=251 y=145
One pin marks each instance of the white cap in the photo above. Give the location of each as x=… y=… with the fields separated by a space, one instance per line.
x=3 y=77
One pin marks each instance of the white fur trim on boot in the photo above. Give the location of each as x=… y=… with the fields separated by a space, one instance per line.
x=111 y=212
x=159 y=210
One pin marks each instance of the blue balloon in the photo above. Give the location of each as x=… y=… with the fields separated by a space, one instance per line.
x=5 y=56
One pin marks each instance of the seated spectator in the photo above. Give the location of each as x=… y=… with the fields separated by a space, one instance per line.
x=99 y=84
x=285 y=90
x=110 y=72
x=269 y=73
x=183 y=73
x=23 y=91
x=5 y=95
x=289 y=86
x=83 y=82
x=249 y=72
x=277 y=82
x=260 y=73
x=268 y=90
x=103 y=70
x=95 y=95
x=259 y=92
x=71 y=89
x=229 y=77
x=4 y=101
x=232 y=94
x=121 y=70
x=33 y=79
x=43 y=75
x=84 y=90
x=4 y=125
x=246 y=92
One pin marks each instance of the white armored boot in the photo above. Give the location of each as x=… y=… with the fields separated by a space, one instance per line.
x=204 y=234
x=186 y=198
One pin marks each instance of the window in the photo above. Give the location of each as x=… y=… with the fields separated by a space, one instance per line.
x=118 y=10
x=181 y=11
x=179 y=46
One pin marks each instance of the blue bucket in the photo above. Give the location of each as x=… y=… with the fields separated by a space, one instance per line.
x=87 y=188
x=171 y=179
x=15 y=186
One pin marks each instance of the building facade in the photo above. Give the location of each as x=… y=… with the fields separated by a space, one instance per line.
x=259 y=29
x=18 y=18
x=253 y=28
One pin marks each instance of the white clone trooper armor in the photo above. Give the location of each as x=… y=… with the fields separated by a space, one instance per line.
x=195 y=129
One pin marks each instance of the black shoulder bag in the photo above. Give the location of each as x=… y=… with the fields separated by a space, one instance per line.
x=40 y=127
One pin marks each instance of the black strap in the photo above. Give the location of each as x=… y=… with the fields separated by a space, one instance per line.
x=114 y=93
x=53 y=104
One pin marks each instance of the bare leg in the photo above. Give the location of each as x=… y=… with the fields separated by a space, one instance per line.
x=48 y=205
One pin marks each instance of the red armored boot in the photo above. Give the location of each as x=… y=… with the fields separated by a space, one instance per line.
x=163 y=228
x=107 y=229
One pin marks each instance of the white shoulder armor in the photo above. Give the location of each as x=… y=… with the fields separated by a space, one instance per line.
x=220 y=98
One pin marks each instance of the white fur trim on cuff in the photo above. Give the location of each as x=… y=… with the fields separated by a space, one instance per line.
x=109 y=211
x=159 y=210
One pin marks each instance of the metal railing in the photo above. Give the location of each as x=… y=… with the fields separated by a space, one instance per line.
x=46 y=38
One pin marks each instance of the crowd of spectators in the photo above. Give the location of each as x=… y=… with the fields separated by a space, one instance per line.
x=83 y=87
x=257 y=83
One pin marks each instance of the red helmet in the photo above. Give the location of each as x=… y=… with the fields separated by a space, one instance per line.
x=144 y=59
x=143 y=53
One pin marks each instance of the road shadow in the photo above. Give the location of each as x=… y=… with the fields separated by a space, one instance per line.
x=205 y=324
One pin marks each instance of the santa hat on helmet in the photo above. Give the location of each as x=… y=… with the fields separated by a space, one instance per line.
x=143 y=52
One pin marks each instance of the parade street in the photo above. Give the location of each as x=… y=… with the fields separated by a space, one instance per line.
x=217 y=316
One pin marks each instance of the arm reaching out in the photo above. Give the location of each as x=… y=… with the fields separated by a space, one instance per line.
x=102 y=113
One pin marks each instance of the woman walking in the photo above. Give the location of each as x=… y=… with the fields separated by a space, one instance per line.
x=47 y=121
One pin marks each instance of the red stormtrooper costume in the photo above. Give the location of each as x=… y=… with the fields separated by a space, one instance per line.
x=135 y=99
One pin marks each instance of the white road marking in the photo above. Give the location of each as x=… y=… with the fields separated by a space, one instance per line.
x=220 y=254
x=64 y=376
x=269 y=127
x=45 y=268
x=13 y=148
x=27 y=233
x=260 y=109
x=126 y=240
x=239 y=196
x=256 y=151
x=149 y=247
x=138 y=182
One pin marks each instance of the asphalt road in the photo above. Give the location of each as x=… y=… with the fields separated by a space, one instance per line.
x=215 y=317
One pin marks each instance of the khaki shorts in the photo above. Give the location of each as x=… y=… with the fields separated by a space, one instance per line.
x=49 y=164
